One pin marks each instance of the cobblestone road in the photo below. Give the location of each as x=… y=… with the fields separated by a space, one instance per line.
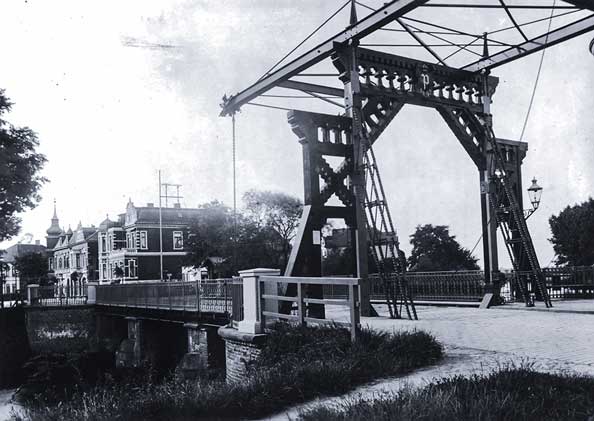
x=563 y=340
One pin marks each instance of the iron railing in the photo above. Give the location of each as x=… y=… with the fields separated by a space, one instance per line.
x=437 y=286
x=237 y=300
x=58 y=295
x=207 y=296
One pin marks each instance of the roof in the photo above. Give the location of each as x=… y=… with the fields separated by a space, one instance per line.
x=81 y=235
x=18 y=250
x=150 y=215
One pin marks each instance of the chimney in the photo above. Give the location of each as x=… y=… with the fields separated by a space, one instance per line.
x=37 y=242
x=150 y=205
x=177 y=205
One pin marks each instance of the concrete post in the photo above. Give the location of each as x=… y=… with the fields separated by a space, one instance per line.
x=92 y=292
x=251 y=299
x=32 y=294
x=131 y=350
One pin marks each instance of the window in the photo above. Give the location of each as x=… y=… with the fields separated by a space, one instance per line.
x=103 y=244
x=104 y=271
x=178 y=240
x=143 y=240
x=78 y=261
x=132 y=268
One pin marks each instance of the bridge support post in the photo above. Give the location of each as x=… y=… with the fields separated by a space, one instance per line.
x=131 y=350
x=251 y=299
x=205 y=350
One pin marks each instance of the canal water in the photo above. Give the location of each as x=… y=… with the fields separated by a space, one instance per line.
x=6 y=405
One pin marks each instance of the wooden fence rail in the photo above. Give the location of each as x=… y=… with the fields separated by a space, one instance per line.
x=300 y=313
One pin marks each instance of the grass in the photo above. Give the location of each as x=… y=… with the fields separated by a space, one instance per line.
x=296 y=365
x=508 y=394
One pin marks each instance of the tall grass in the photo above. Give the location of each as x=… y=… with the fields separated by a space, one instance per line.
x=297 y=364
x=509 y=394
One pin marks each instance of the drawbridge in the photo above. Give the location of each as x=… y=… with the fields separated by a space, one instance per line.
x=430 y=53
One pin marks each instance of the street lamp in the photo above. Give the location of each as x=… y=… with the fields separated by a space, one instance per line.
x=534 y=192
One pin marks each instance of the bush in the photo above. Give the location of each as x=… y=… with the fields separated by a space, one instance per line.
x=296 y=364
x=509 y=394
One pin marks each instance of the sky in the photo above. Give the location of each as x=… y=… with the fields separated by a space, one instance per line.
x=111 y=108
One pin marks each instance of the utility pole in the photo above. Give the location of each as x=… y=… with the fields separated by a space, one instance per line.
x=160 y=232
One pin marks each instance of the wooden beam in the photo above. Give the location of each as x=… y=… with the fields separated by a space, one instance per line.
x=364 y=27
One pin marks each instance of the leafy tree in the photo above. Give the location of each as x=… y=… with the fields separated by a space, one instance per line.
x=278 y=213
x=19 y=171
x=214 y=235
x=434 y=249
x=31 y=268
x=573 y=238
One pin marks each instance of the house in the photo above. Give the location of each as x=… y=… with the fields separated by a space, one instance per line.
x=132 y=248
x=72 y=255
x=74 y=258
x=12 y=280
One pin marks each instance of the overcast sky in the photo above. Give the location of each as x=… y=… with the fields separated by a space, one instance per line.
x=111 y=108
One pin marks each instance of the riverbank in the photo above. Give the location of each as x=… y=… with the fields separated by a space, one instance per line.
x=296 y=365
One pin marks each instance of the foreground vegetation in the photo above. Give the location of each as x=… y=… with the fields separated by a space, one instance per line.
x=297 y=364
x=509 y=394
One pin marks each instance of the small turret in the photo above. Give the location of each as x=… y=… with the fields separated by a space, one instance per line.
x=54 y=231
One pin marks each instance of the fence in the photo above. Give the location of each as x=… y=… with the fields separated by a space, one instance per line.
x=570 y=282
x=57 y=295
x=271 y=295
x=237 y=300
x=210 y=296
x=435 y=286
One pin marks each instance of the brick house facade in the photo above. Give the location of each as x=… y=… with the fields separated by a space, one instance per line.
x=133 y=243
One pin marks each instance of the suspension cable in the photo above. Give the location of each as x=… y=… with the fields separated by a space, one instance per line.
x=305 y=40
x=538 y=74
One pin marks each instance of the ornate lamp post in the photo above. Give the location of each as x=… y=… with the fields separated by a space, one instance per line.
x=534 y=192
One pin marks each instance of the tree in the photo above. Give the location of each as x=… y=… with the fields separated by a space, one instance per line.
x=277 y=212
x=19 y=172
x=573 y=239
x=248 y=245
x=434 y=249
x=31 y=268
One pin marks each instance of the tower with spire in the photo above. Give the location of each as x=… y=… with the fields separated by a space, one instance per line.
x=54 y=231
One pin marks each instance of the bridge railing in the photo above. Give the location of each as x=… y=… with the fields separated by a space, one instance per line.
x=237 y=300
x=273 y=290
x=570 y=282
x=56 y=295
x=207 y=296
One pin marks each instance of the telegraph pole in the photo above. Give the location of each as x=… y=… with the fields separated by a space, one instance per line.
x=160 y=231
